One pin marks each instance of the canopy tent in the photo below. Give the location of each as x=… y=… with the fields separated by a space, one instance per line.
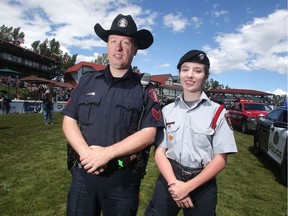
x=9 y=71
x=38 y=80
x=35 y=80
x=60 y=84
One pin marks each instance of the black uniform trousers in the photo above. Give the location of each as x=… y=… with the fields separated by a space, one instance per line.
x=162 y=204
x=114 y=193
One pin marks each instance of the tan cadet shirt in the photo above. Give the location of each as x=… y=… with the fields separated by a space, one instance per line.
x=188 y=136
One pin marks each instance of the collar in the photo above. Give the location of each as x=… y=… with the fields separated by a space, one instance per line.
x=203 y=98
x=108 y=75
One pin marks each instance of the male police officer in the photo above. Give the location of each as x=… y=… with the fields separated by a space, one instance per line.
x=108 y=105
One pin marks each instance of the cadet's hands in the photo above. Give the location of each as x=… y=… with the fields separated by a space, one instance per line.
x=178 y=190
x=95 y=159
x=180 y=194
x=185 y=203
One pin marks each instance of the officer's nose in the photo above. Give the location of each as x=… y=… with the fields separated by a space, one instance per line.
x=119 y=46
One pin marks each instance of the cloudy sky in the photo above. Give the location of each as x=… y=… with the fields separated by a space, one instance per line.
x=245 y=40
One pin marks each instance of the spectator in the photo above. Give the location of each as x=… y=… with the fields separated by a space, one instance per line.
x=48 y=109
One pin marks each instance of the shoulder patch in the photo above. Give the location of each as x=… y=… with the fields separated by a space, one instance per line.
x=153 y=94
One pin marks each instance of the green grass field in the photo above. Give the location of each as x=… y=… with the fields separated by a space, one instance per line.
x=34 y=178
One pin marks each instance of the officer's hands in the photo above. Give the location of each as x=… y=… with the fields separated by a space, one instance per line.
x=95 y=159
x=178 y=190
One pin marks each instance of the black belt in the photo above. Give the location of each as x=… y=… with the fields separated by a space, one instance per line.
x=184 y=173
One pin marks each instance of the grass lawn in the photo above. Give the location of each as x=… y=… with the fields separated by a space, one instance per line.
x=34 y=179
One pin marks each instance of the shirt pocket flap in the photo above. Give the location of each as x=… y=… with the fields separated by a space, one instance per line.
x=172 y=127
x=203 y=131
x=90 y=99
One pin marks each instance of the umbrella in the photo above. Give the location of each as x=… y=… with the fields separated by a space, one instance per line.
x=6 y=70
x=60 y=84
x=35 y=80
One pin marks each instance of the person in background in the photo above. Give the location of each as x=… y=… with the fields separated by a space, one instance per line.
x=5 y=106
x=48 y=109
x=118 y=117
x=192 y=151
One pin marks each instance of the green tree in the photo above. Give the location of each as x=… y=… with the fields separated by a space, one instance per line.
x=52 y=49
x=213 y=84
x=12 y=35
x=135 y=68
x=101 y=59
x=36 y=46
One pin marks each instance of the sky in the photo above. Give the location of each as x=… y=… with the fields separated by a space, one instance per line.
x=246 y=41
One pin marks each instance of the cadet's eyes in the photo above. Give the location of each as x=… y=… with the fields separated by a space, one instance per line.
x=195 y=70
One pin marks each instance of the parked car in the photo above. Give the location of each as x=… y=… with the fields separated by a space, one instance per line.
x=270 y=138
x=243 y=114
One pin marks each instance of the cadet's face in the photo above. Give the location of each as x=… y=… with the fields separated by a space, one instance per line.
x=120 y=51
x=192 y=76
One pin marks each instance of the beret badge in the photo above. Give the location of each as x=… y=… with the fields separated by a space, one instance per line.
x=201 y=56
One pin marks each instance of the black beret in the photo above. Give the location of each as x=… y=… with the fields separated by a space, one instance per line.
x=194 y=56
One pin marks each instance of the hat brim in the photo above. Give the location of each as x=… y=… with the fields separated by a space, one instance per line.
x=143 y=37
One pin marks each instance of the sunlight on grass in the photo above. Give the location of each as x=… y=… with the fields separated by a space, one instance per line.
x=34 y=179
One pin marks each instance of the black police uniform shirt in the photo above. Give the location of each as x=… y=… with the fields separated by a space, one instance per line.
x=108 y=109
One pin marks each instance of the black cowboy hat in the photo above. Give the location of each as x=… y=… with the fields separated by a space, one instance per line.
x=125 y=25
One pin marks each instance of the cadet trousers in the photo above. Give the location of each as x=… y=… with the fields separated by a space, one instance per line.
x=114 y=193
x=162 y=204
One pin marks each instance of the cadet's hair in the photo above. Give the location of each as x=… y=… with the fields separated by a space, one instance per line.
x=207 y=70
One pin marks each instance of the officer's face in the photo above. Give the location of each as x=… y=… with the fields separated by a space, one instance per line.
x=192 y=76
x=120 y=51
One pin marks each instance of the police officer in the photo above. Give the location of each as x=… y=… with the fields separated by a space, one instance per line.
x=101 y=123
x=192 y=151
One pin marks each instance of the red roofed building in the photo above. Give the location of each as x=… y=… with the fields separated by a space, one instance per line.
x=168 y=87
x=73 y=74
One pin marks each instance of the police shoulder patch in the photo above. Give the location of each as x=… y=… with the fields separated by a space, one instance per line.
x=153 y=94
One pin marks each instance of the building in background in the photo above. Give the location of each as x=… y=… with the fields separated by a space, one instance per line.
x=25 y=62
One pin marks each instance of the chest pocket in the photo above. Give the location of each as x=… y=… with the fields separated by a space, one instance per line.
x=202 y=136
x=86 y=104
x=128 y=112
x=172 y=132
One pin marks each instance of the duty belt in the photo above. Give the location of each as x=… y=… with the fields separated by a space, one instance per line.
x=184 y=173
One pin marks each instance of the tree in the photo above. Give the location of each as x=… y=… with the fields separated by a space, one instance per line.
x=51 y=49
x=12 y=35
x=101 y=59
x=213 y=84
x=136 y=69
x=36 y=46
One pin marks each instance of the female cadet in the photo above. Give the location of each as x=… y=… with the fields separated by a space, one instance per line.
x=191 y=153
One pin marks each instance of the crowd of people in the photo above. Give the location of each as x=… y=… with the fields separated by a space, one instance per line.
x=33 y=91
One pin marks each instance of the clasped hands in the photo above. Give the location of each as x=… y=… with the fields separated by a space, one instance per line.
x=180 y=195
x=95 y=159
